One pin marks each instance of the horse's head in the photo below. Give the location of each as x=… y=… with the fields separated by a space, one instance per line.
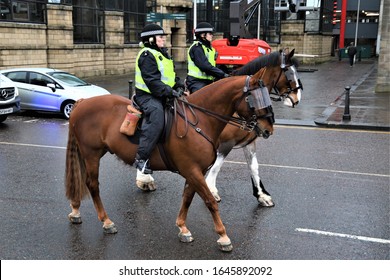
x=284 y=79
x=288 y=85
x=257 y=107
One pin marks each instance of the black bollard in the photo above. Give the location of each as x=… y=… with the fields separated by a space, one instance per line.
x=346 y=115
x=130 y=89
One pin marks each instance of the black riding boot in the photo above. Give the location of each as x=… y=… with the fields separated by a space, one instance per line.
x=142 y=165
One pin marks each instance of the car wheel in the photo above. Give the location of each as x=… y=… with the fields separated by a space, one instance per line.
x=67 y=108
x=3 y=118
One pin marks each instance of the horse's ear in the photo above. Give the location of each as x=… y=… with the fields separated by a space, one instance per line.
x=291 y=54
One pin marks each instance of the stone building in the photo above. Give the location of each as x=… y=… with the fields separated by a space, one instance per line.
x=100 y=37
x=87 y=38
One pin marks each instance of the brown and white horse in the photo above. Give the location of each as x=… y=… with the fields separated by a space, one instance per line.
x=289 y=88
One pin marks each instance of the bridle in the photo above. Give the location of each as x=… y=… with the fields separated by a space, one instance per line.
x=257 y=98
x=289 y=76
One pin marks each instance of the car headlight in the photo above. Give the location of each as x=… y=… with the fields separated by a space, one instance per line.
x=16 y=92
x=261 y=50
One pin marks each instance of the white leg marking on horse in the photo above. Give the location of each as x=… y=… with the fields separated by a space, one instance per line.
x=225 y=244
x=145 y=181
x=74 y=216
x=211 y=178
x=253 y=164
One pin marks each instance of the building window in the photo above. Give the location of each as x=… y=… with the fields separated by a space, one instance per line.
x=114 y=5
x=134 y=19
x=23 y=11
x=88 y=21
x=221 y=12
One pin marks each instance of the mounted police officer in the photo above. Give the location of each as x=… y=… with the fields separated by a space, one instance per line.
x=155 y=80
x=201 y=59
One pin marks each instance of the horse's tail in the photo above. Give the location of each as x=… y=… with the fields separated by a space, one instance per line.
x=75 y=171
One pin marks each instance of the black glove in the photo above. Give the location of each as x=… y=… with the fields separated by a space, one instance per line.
x=177 y=93
x=178 y=84
x=180 y=89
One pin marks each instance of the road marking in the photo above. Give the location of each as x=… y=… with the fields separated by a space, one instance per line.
x=328 y=233
x=313 y=169
x=332 y=129
x=32 y=145
x=233 y=162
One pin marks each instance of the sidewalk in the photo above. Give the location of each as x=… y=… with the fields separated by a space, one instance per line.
x=367 y=109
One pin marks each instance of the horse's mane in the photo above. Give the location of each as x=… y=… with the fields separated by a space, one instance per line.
x=253 y=66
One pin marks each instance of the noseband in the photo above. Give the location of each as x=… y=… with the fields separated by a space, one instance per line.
x=287 y=72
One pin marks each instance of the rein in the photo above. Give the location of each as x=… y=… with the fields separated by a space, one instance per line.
x=287 y=93
x=235 y=121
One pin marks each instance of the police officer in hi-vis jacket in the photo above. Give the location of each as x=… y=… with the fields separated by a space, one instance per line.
x=201 y=59
x=155 y=80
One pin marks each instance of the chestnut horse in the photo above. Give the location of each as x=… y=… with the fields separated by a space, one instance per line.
x=94 y=130
x=288 y=87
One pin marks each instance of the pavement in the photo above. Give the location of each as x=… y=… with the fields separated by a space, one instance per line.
x=367 y=109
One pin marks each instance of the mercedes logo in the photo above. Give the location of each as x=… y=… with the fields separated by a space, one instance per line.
x=4 y=93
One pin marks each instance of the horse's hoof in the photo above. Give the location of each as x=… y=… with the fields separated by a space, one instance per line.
x=75 y=219
x=225 y=246
x=185 y=237
x=145 y=182
x=146 y=187
x=216 y=196
x=266 y=201
x=110 y=229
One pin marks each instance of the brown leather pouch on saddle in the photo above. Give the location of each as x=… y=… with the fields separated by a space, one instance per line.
x=130 y=122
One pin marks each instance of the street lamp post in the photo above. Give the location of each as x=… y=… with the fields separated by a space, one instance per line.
x=357 y=23
x=195 y=15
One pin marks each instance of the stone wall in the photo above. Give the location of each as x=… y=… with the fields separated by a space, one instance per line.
x=313 y=47
x=175 y=3
x=383 y=77
x=51 y=44
x=60 y=54
x=22 y=45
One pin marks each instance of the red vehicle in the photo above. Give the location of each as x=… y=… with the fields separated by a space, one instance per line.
x=240 y=48
x=231 y=56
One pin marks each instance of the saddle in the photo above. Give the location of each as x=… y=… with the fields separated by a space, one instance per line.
x=132 y=126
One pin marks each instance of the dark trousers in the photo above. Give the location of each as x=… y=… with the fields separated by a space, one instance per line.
x=152 y=125
x=351 y=59
x=194 y=84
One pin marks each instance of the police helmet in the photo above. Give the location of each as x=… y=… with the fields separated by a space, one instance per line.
x=204 y=27
x=149 y=32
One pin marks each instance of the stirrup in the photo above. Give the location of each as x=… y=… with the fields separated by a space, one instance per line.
x=143 y=166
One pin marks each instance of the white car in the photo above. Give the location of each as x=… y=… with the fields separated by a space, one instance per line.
x=46 y=89
x=9 y=98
